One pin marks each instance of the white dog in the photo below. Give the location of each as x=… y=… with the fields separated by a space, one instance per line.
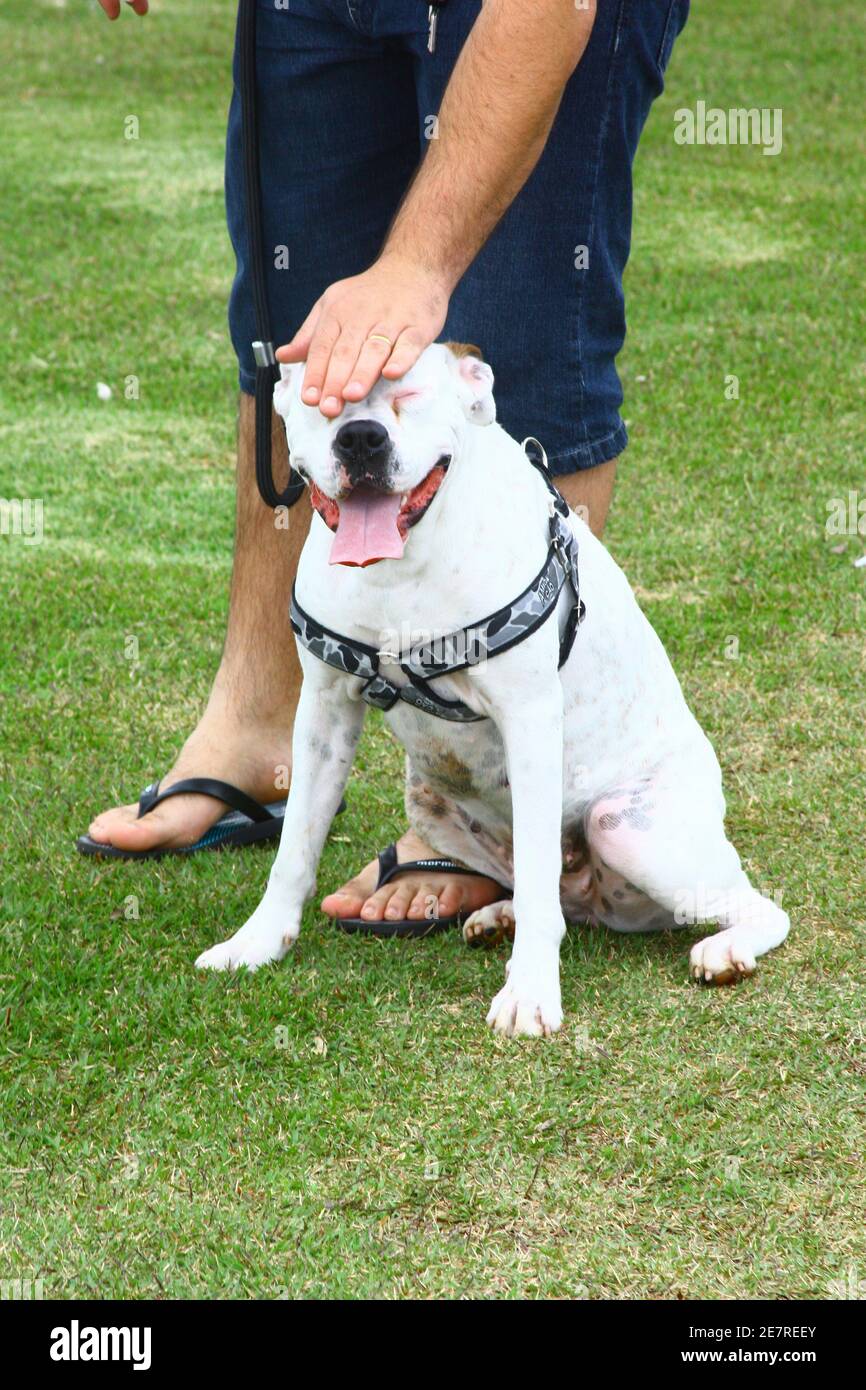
x=590 y=788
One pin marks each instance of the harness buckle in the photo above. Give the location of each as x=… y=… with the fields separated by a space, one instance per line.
x=380 y=693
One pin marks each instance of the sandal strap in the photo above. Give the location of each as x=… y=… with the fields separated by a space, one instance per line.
x=206 y=786
x=389 y=868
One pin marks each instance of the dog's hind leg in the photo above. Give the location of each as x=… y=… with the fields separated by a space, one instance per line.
x=490 y=925
x=664 y=840
x=327 y=725
x=752 y=925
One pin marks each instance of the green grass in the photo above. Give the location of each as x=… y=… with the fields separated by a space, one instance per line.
x=671 y=1142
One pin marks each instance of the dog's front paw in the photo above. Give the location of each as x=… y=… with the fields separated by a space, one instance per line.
x=723 y=959
x=530 y=1009
x=258 y=942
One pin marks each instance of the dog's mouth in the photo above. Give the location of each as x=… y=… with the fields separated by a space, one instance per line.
x=370 y=525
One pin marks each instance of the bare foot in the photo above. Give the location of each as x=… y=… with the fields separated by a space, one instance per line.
x=411 y=896
x=220 y=747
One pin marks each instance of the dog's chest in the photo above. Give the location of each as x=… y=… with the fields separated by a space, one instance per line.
x=463 y=762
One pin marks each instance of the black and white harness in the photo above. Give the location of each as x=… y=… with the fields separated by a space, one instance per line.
x=443 y=656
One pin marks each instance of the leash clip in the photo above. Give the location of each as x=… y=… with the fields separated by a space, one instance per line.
x=264 y=353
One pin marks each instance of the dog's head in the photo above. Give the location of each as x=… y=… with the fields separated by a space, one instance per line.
x=374 y=471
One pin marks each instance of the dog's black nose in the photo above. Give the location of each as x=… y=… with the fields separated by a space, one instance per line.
x=362 y=446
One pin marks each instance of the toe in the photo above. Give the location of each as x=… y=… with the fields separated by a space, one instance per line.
x=396 y=908
x=450 y=900
x=373 y=909
x=424 y=904
x=344 y=903
x=152 y=831
x=101 y=829
x=348 y=900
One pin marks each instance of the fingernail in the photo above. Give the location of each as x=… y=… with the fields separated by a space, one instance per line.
x=311 y=394
x=353 y=386
x=330 y=402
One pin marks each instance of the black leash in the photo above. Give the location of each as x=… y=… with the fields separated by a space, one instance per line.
x=267 y=371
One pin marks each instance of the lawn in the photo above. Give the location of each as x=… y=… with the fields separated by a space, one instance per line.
x=344 y=1124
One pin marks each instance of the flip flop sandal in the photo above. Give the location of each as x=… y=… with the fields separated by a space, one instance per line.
x=249 y=822
x=390 y=869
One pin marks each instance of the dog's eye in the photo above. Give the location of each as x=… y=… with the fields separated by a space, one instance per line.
x=401 y=398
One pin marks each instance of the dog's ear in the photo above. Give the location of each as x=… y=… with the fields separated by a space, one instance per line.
x=283 y=388
x=474 y=383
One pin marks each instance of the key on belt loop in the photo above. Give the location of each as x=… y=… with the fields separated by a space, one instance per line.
x=433 y=24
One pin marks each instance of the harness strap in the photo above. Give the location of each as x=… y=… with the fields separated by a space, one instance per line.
x=357 y=659
x=267 y=372
x=578 y=611
x=457 y=650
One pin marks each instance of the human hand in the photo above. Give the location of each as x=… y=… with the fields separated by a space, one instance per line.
x=376 y=323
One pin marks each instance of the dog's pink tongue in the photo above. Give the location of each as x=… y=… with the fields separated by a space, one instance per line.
x=367 y=528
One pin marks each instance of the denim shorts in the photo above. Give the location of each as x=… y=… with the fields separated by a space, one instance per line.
x=347 y=96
